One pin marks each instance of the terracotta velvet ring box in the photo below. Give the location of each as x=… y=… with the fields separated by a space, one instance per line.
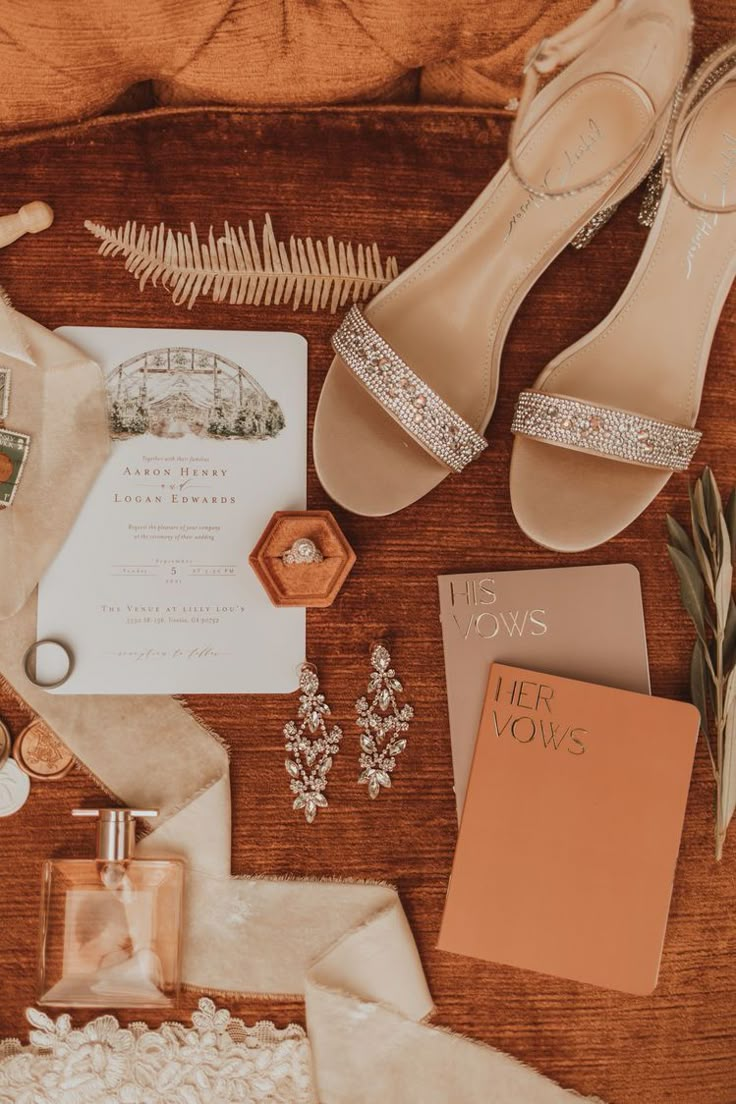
x=315 y=584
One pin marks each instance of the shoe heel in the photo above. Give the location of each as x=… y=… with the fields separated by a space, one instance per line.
x=586 y=233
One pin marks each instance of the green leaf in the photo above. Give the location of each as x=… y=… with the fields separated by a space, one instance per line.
x=724 y=579
x=701 y=541
x=728 y=773
x=730 y=516
x=680 y=539
x=692 y=590
x=729 y=639
x=729 y=697
x=699 y=684
x=712 y=500
x=710 y=531
x=697 y=498
x=713 y=685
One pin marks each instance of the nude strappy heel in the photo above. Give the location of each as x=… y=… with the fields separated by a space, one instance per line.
x=611 y=418
x=414 y=382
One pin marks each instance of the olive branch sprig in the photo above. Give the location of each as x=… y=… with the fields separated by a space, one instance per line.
x=704 y=561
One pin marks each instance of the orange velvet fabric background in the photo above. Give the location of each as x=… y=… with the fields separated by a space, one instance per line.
x=62 y=60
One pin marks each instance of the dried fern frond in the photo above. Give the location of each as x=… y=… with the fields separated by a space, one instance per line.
x=232 y=267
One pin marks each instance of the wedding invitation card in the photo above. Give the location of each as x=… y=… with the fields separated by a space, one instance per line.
x=585 y=622
x=571 y=829
x=152 y=590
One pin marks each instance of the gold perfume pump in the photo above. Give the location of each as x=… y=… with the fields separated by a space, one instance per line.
x=111 y=926
x=115 y=831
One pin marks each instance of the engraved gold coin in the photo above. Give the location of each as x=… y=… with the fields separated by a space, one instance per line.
x=4 y=744
x=41 y=754
x=6 y=467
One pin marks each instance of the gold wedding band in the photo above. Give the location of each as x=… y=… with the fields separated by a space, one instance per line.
x=31 y=653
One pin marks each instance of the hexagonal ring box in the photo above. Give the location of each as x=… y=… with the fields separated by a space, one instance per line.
x=315 y=585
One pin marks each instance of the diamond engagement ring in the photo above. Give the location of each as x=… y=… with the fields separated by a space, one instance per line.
x=302 y=551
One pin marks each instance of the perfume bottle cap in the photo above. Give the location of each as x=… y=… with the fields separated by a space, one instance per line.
x=115 y=831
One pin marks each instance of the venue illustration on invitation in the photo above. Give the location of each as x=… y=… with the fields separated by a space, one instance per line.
x=152 y=590
x=174 y=391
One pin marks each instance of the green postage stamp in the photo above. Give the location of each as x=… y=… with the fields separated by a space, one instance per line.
x=13 y=455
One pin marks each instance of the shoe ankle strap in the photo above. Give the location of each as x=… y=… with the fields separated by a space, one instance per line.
x=560 y=48
x=548 y=55
x=718 y=69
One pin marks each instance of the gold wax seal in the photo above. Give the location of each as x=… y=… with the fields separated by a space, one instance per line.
x=4 y=744
x=6 y=467
x=41 y=754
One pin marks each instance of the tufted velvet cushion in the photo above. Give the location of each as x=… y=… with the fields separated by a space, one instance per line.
x=62 y=60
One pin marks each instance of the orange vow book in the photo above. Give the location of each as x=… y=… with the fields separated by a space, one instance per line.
x=570 y=830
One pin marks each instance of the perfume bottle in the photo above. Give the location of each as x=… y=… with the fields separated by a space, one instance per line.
x=111 y=926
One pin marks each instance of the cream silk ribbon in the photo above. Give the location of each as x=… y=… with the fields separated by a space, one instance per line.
x=347 y=947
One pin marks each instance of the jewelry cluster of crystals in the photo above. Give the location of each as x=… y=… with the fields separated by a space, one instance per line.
x=614 y=433
x=311 y=747
x=382 y=722
x=420 y=411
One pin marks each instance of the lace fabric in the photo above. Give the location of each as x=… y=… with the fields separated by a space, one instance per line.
x=217 y=1059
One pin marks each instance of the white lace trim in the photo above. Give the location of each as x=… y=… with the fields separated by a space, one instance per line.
x=217 y=1059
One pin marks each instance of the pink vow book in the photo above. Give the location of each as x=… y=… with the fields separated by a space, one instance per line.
x=583 y=622
x=571 y=829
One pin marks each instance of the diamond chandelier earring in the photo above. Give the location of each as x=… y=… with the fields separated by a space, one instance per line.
x=382 y=722
x=310 y=746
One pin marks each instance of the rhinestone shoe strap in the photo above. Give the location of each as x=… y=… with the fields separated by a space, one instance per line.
x=617 y=434
x=414 y=405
